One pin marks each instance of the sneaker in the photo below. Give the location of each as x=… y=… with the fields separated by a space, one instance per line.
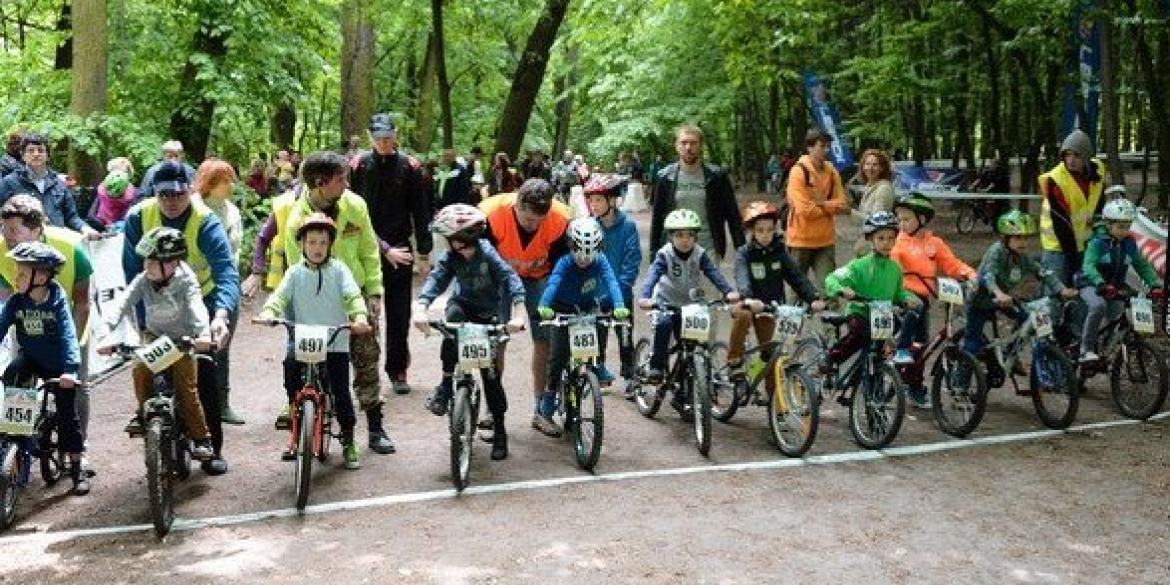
x=546 y=425
x=401 y=387
x=604 y=376
x=349 y=452
x=630 y=392
x=1089 y=357
x=735 y=371
x=284 y=420
x=652 y=375
x=201 y=449
x=134 y=427
x=825 y=366
x=438 y=400
x=902 y=357
x=289 y=454
x=918 y=397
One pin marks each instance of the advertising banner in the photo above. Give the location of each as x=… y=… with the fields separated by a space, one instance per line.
x=825 y=117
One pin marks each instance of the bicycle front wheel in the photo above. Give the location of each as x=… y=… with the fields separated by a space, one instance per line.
x=10 y=473
x=958 y=392
x=49 y=452
x=965 y=219
x=588 y=426
x=303 y=472
x=877 y=408
x=698 y=385
x=648 y=397
x=462 y=435
x=1138 y=380
x=725 y=393
x=160 y=480
x=794 y=411
x=1054 y=386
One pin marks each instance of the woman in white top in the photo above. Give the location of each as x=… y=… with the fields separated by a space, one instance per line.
x=877 y=177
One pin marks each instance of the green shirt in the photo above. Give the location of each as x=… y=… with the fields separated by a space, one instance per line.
x=875 y=277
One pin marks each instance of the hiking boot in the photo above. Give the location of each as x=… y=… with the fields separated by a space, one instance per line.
x=546 y=425
x=499 y=443
x=440 y=398
x=80 y=479
x=284 y=419
x=134 y=427
x=401 y=387
x=380 y=442
x=201 y=449
x=349 y=452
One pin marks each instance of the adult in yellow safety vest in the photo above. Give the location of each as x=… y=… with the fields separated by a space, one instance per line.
x=1072 y=198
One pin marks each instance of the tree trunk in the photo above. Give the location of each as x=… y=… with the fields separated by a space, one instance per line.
x=63 y=59
x=357 y=67
x=565 y=87
x=284 y=126
x=441 y=74
x=88 y=92
x=1109 y=101
x=424 y=107
x=529 y=75
x=195 y=110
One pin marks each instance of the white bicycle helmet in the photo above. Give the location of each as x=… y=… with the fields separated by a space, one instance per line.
x=585 y=236
x=879 y=220
x=459 y=221
x=682 y=219
x=1119 y=210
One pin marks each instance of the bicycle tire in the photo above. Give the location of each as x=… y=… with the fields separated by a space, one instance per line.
x=160 y=480
x=794 y=411
x=462 y=432
x=588 y=425
x=1142 y=355
x=877 y=409
x=958 y=392
x=699 y=381
x=10 y=488
x=648 y=397
x=182 y=458
x=965 y=219
x=303 y=472
x=1056 y=399
x=326 y=432
x=49 y=452
x=725 y=393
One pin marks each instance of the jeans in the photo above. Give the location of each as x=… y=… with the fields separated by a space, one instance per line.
x=65 y=400
x=1096 y=308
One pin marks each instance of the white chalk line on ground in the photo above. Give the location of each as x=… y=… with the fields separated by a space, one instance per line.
x=189 y=524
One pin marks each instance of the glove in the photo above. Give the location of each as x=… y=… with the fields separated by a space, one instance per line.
x=621 y=314
x=1108 y=291
x=545 y=313
x=1157 y=294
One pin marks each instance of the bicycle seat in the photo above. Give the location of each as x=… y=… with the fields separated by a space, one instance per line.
x=834 y=319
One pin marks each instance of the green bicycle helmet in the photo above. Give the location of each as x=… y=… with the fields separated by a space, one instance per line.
x=918 y=203
x=682 y=219
x=1016 y=223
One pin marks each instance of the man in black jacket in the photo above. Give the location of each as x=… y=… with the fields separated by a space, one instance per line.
x=451 y=182
x=703 y=188
x=398 y=195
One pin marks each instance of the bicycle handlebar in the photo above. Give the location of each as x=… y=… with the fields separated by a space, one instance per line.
x=451 y=329
x=566 y=319
x=290 y=326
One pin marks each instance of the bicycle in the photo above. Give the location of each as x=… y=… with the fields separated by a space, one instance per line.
x=477 y=348
x=167 y=444
x=1051 y=379
x=311 y=415
x=870 y=385
x=793 y=404
x=689 y=379
x=958 y=402
x=28 y=424
x=969 y=212
x=580 y=392
x=1131 y=362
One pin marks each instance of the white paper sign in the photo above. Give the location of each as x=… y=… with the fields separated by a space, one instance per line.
x=161 y=354
x=1041 y=317
x=583 y=342
x=881 y=320
x=789 y=319
x=18 y=411
x=1141 y=314
x=950 y=291
x=475 y=349
x=696 y=322
x=310 y=343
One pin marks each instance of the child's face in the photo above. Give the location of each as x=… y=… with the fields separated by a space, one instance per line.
x=883 y=241
x=683 y=240
x=462 y=248
x=25 y=276
x=15 y=232
x=907 y=220
x=315 y=246
x=598 y=204
x=1118 y=229
x=1018 y=244
x=763 y=231
x=159 y=270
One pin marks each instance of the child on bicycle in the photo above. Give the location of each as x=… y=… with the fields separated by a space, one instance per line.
x=173 y=303
x=923 y=256
x=1004 y=267
x=624 y=252
x=479 y=276
x=1108 y=256
x=873 y=277
x=320 y=290
x=762 y=266
x=677 y=269
x=48 y=342
x=580 y=282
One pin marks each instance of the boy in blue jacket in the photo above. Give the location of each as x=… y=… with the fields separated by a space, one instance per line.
x=578 y=283
x=623 y=250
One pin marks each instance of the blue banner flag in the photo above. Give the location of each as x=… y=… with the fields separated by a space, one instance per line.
x=1082 y=87
x=825 y=117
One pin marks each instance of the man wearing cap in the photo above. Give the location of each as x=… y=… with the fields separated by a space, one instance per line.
x=210 y=257
x=703 y=188
x=172 y=151
x=398 y=196
x=814 y=195
x=1072 y=196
